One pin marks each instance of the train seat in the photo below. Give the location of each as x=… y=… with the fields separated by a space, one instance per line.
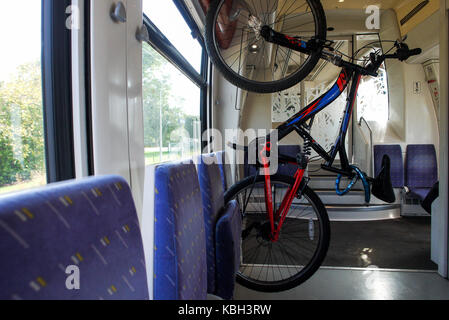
x=421 y=169
x=225 y=169
x=397 y=163
x=288 y=169
x=223 y=229
x=283 y=168
x=179 y=235
x=84 y=230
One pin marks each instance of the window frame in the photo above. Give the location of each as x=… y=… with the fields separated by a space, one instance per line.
x=164 y=47
x=57 y=91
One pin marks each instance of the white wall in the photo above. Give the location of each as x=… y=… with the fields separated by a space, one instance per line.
x=440 y=216
x=421 y=126
x=412 y=116
x=116 y=72
x=225 y=112
x=390 y=31
x=135 y=103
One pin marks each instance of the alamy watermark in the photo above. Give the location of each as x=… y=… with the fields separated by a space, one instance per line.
x=372 y=22
x=72 y=281
x=72 y=21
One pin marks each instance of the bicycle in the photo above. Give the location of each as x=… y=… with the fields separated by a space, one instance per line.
x=286 y=229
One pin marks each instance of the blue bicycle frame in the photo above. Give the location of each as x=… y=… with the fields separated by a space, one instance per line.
x=298 y=122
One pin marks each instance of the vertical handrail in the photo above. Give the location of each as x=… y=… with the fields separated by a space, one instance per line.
x=362 y=119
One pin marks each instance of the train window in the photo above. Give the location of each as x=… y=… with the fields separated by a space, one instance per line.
x=171 y=23
x=174 y=83
x=22 y=147
x=171 y=104
x=372 y=98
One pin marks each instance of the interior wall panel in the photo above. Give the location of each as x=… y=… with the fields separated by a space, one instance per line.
x=135 y=103
x=109 y=91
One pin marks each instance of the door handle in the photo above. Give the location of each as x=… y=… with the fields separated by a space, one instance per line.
x=118 y=12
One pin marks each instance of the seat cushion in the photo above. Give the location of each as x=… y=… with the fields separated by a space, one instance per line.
x=420 y=193
x=397 y=164
x=180 y=248
x=229 y=230
x=213 y=202
x=90 y=225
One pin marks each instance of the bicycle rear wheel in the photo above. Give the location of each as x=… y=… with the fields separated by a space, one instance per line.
x=245 y=58
x=303 y=241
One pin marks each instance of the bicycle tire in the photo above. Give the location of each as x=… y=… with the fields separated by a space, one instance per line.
x=320 y=253
x=258 y=86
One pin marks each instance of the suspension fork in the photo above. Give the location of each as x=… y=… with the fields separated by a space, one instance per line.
x=281 y=214
x=267 y=186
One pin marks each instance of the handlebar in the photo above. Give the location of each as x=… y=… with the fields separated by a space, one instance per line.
x=402 y=54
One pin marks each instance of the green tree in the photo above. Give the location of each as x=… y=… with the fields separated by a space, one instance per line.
x=157 y=90
x=21 y=124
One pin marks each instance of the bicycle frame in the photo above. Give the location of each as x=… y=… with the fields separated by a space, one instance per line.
x=297 y=123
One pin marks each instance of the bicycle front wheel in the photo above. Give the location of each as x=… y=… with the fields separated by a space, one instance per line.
x=303 y=241
x=246 y=59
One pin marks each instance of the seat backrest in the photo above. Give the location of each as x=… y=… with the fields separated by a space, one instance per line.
x=225 y=169
x=291 y=151
x=213 y=202
x=227 y=237
x=89 y=228
x=283 y=168
x=179 y=238
x=397 y=163
x=421 y=169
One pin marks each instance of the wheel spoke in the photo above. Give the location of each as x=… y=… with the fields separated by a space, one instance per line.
x=241 y=46
x=268 y=263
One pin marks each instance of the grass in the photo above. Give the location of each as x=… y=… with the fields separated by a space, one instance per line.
x=35 y=182
x=154 y=157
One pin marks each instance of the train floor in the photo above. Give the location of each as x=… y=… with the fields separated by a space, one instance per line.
x=371 y=260
x=402 y=243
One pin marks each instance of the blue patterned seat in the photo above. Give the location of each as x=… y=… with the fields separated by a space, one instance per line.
x=421 y=169
x=213 y=202
x=88 y=225
x=288 y=169
x=221 y=228
x=179 y=237
x=227 y=239
x=225 y=169
x=397 y=163
x=283 y=168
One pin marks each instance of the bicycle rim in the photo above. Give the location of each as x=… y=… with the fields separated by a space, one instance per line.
x=250 y=62
x=303 y=241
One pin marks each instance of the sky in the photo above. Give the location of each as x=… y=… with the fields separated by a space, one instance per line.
x=165 y=15
x=20 y=34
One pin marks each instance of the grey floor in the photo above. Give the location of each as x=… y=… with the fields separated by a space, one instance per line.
x=360 y=284
x=388 y=244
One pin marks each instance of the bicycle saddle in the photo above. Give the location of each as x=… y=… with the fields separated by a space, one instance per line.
x=382 y=187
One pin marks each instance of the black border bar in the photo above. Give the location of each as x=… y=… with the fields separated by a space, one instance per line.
x=57 y=91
